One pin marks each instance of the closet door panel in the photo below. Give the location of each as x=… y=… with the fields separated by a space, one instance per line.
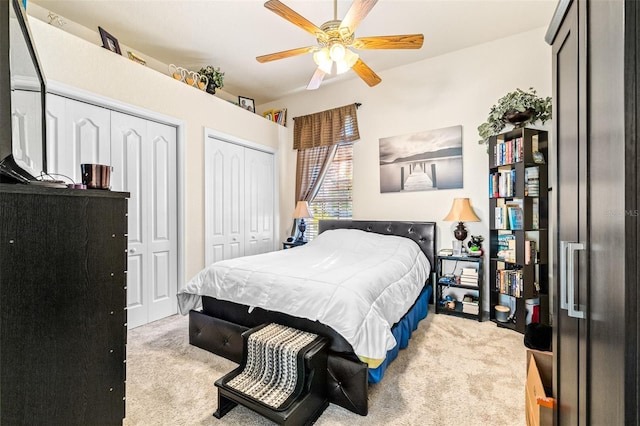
x=259 y=206
x=89 y=133
x=224 y=200
x=27 y=121
x=57 y=161
x=234 y=188
x=130 y=165
x=164 y=219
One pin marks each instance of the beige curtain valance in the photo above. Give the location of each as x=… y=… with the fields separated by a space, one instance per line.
x=326 y=128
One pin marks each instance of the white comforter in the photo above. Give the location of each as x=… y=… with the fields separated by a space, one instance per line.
x=358 y=283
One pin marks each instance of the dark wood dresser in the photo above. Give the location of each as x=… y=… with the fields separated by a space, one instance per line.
x=63 y=321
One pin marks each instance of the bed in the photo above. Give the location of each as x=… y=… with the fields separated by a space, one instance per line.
x=218 y=325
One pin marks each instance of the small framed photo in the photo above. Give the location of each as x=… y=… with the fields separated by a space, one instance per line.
x=246 y=103
x=136 y=58
x=109 y=42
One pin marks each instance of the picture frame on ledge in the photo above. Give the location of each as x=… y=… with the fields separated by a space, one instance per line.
x=247 y=103
x=109 y=42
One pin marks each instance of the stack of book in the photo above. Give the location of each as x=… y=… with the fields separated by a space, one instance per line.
x=507 y=247
x=509 y=281
x=532 y=182
x=502 y=184
x=470 y=305
x=277 y=115
x=469 y=276
x=508 y=152
x=530 y=252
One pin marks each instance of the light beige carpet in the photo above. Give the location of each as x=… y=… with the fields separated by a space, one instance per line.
x=454 y=372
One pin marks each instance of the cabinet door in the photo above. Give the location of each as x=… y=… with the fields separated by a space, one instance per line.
x=224 y=200
x=259 y=181
x=571 y=223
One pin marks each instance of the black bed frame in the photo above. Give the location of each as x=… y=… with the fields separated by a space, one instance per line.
x=217 y=328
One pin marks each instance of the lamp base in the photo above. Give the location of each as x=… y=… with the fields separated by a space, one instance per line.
x=460 y=232
x=302 y=226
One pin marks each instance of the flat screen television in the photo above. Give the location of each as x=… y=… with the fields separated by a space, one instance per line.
x=22 y=99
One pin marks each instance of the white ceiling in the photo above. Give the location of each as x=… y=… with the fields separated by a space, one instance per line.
x=230 y=34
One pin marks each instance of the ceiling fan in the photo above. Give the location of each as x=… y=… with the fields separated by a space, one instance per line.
x=336 y=39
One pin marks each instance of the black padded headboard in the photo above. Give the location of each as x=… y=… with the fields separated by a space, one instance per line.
x=423 y=233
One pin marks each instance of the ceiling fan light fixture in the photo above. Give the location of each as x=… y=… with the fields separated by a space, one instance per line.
x=323 y=60
x=350 y=58
x=337 y=51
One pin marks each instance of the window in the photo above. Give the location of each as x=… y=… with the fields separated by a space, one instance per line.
x=333 y=200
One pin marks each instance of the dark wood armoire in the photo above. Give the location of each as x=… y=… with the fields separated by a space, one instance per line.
x=595 y=45
x=62 y=306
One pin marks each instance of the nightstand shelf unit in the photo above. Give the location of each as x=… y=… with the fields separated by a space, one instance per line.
x=452 y=295
x=291 y=244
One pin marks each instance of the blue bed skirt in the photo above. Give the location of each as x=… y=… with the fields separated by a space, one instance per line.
x=402 y=332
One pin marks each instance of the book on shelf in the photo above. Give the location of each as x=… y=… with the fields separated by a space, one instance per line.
x=277 y=115
x=469 y=276
x=508 y=152
x=506 y=247
x=509 y=282
x=470 y=271
x=535 y=218
x=532 y=181
x=502 y=183
x=470 y=305
x=509 y=214
x=530 y=252
x=515 y=218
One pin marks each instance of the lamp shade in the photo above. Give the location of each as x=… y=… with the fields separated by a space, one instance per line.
x=302 y=210
x=461 y=211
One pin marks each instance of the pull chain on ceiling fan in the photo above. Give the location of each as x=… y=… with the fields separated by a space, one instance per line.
x=336 y=39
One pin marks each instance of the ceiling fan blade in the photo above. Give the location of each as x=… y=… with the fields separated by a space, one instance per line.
x=292 y=16
x=357 y=12
x=366 y=73
x=285 y=54
x=405 y=41
x=316 y=79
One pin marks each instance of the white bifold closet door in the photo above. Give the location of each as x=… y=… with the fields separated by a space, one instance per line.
x=144 y=162
x=143 y=155
x=26 y=120
x=239 y=200
x=77 y=133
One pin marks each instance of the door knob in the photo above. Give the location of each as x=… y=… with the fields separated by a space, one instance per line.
x=132 y=251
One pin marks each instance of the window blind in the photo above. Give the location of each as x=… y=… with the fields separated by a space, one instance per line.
x=333 y=200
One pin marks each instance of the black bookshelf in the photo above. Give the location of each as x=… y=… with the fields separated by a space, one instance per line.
x=518 y=235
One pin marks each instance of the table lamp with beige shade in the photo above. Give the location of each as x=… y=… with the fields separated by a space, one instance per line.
x=461 y=211
x=302 y=212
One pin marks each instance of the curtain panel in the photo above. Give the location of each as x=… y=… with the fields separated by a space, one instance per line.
x=326 y=128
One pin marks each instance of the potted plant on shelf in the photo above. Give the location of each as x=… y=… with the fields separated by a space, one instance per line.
x=215 y=76
x=517 y=108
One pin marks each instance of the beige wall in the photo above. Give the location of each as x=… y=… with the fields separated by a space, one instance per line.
x=76 y=62
x=453 y=89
